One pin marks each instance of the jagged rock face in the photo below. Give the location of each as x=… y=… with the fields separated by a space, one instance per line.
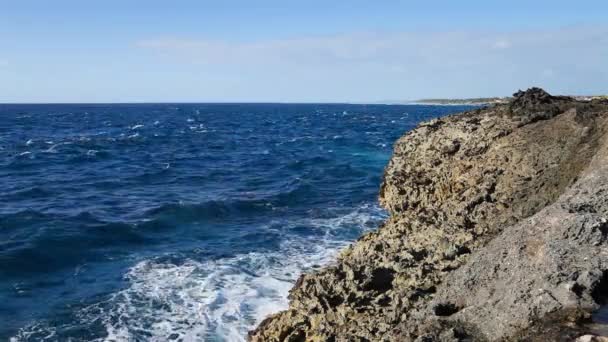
x=486 y=208
x=536 y=104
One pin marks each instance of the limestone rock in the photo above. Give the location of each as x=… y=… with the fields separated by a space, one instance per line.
x=592 y=338
x=497 y=231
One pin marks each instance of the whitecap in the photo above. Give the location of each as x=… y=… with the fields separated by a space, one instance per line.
x=29 y=142
x=137 y=127
x=196 y=300
x=53 y=148
x=225 y=298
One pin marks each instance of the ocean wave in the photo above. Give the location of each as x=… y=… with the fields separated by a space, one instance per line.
x=211 y=210
x=36 y=240
x=35 y=247
x=28 y=193
x=114 y=217
x=190 y=299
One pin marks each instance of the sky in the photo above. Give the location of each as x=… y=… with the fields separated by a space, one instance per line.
x=297 y=50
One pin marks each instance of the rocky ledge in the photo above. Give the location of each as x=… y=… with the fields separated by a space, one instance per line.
x=497 y=231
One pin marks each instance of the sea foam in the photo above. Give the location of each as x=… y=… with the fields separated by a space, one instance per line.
x=217 y=300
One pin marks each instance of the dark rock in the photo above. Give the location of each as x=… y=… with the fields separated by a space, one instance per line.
x=381 y=280
x=536 y=104
x=445 y=309
x=451 y=147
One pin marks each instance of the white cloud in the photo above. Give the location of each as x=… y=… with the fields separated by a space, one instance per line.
x=462 y=63
x=388 y=49
x=299 y=50
x=502 y=44
x=548 y=73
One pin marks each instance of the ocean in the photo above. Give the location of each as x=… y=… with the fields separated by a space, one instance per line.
x=179 y=222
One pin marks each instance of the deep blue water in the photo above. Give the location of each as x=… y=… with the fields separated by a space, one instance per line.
x=179 y=221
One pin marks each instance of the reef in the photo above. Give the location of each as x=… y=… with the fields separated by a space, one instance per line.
x=498 y=231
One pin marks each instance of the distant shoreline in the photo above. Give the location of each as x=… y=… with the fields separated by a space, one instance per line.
x=474 y=101
x=431 y=102
x=490 y=100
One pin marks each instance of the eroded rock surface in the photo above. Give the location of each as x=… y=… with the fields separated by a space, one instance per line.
x=497 y=231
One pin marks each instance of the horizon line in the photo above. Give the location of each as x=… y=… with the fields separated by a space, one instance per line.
x=216 y=102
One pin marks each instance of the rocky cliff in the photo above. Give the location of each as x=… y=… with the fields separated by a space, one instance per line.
x=497 y=231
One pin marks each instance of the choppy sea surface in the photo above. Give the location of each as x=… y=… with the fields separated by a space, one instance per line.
x=162 y=222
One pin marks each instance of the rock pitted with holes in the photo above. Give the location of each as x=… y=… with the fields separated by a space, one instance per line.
x=497 y=230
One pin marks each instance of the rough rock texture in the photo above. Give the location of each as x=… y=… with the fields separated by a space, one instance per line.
x=497 y=231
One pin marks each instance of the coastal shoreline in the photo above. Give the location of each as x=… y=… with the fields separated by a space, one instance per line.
x=497 y=231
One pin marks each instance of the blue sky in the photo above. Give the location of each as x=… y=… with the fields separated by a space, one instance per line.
x=297 y=51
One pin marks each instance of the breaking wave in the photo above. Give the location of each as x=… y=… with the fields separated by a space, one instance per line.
x=184 y=299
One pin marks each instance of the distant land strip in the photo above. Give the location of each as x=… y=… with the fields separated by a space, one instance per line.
x=492 y=100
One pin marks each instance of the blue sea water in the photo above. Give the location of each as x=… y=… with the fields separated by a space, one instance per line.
x=179 y=221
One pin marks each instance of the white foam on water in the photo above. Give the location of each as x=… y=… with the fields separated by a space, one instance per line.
x=194 y=301
x=217 y=300
x=53 y=148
